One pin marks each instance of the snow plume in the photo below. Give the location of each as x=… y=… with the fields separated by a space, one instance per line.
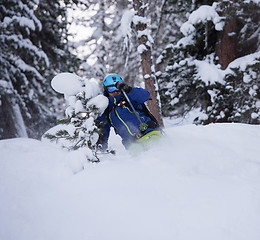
x=84 y=105
x=201 y=183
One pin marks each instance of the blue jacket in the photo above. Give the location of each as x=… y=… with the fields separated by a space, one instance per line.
x=120 y=115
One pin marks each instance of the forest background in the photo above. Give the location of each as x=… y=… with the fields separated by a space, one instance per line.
x=195 y=55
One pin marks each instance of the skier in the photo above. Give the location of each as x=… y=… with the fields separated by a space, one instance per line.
x=127 y=114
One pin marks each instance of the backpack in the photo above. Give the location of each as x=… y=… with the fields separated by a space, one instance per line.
x=153 y=124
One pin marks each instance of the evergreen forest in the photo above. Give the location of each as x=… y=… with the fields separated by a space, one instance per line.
x=195 y=55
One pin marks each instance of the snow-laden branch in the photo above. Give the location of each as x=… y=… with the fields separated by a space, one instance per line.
x=23 y=22
x=27 y=68
x=27 y=44
x=139 y=20
x=202 y=15
x=126 y=29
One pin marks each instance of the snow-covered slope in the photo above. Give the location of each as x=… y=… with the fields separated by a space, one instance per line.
x=199 y=183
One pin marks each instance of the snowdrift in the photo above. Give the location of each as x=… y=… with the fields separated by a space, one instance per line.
x=199 y=183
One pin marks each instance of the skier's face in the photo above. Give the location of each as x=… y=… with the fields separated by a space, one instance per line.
x=113 y=94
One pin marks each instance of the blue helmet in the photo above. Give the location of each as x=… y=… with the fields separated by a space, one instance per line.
x=110 y=81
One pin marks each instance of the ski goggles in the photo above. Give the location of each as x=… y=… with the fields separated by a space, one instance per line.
x=112 y=88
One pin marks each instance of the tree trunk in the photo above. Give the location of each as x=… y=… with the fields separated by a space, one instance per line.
x=146 y=62
x=13 y=118
x=227 y=46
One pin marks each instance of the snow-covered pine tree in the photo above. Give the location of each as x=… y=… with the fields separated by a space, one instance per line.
x=194 y=79
x=166 y=20
x=166 y=32
x=33 y=49
x=21 y=64
x=180 y=87
x=78 y=131
x=53 y=37
x=248 y=27
x=53 y=40
x=238 y=98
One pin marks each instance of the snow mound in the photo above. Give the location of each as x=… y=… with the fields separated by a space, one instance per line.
x=200 y=183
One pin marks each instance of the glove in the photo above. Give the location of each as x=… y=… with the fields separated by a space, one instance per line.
x=123 y=86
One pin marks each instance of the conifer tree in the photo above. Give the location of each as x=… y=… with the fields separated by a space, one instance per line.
x=53 y=37
x=123 y=57
x=112 y=43
x=33 y=48
x=238 y=98
x=21 y=63
x=94 y=60
x=79 y=131
x=184 y=86
x=174 y=70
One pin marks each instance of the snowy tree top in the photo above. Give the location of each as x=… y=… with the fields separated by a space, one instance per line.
x=74 y=87
x=202 y=15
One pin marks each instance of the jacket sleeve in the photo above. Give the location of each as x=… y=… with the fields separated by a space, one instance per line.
x=138 y=95
x=104 y=127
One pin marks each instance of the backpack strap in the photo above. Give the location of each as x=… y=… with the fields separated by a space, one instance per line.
x=146 y=111
x=150 y=115
x=152 y=124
